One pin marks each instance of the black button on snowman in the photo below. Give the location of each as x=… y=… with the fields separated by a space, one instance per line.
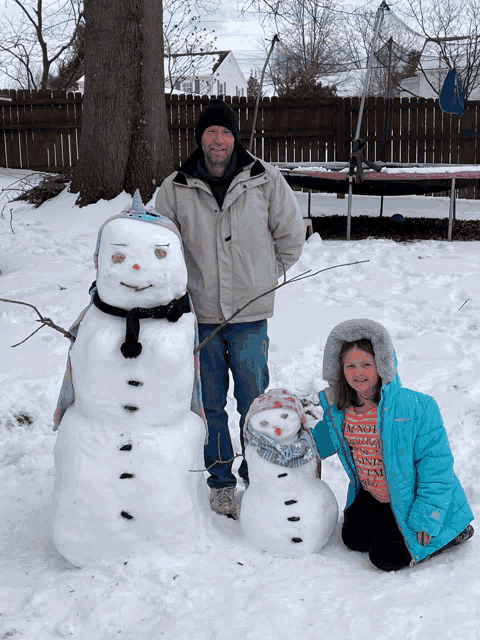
x=292 y=513
x=128 y=438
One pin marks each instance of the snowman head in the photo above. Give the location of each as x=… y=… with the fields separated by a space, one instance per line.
x=277 y=414
x=282 y=425
x=139 y=264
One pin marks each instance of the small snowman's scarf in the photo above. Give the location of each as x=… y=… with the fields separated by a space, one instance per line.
x=294 y=454
x=132 y=348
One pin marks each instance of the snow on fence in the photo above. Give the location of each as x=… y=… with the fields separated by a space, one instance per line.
x=40 y=130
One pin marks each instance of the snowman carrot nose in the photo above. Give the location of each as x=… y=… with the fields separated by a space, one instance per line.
x=136 y=267
x=278 y=431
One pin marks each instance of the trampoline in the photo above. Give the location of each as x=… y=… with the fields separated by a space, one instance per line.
x=393 y=179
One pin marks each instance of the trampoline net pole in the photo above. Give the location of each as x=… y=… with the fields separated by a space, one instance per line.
x=452 y=207
x=349 y=206
x=378 y=22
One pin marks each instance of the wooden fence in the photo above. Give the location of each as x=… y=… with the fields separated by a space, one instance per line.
x=40 y=130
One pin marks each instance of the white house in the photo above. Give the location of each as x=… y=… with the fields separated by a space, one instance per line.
x=429 y=82
x=216 y=73
x=418 y=85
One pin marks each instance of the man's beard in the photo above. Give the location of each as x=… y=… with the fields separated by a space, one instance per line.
x=218 y=161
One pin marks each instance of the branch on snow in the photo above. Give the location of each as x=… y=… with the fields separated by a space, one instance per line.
x=46 y=322
x=301 y=276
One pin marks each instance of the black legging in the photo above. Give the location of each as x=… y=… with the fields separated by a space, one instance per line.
x=370 y=525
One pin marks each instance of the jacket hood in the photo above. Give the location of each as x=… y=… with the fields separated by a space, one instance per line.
x=350 y=331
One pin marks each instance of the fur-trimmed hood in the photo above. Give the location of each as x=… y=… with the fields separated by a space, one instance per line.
x=356 y=329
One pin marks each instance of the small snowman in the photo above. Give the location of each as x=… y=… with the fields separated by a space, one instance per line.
x=286 y=510
x=130 y=420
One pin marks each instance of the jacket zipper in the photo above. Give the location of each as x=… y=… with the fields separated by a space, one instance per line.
x=380 y=435
x=346 y=452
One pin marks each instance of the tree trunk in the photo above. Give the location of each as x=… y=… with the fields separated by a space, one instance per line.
x=124 y=143
x=150 y=160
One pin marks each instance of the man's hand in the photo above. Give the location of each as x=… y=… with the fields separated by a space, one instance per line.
x=423 y=538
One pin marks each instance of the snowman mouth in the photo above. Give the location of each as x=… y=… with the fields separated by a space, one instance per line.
x=135 y=288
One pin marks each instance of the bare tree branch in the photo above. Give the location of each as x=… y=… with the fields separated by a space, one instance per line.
x=184 y=41
x=300 y=276
x=32 y=334
x=235 y=455
x=37 y=38
x=453 y=29
x=310 y=39
x=46 y=322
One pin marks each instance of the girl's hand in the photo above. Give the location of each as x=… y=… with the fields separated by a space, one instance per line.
x=423 y=538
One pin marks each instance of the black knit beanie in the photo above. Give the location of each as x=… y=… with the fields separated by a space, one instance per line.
x=217 y=113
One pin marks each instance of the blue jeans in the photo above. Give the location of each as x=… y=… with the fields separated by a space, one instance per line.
x=243 y=348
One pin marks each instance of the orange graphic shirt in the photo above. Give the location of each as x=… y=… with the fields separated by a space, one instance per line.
x=361 y=434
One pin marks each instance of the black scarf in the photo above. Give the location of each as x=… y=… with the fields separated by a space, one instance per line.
x=132 y=348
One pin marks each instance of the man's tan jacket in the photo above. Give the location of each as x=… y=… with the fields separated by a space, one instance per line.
x=234 y=253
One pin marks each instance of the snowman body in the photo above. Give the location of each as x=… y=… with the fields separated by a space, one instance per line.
x=127 y=446
x=287 y=511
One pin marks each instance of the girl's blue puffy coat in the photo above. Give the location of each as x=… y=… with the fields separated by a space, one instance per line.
x=425 y=493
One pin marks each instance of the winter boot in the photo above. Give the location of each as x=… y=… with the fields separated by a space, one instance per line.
x=465 y=535
x=222 y=501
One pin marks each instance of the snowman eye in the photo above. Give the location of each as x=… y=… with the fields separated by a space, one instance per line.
x=118 y=257
x=284 y=415
x=263 y=423
x=160 y=253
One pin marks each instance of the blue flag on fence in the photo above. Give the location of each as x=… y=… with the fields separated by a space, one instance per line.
x=451 y=95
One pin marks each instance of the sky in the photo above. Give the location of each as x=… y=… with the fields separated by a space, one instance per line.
x=242 y=34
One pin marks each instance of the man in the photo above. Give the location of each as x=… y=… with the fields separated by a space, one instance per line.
x=241 y=228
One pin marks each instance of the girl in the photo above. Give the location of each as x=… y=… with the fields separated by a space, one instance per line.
x=404 y=501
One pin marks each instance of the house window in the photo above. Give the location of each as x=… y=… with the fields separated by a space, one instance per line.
x=187 y=87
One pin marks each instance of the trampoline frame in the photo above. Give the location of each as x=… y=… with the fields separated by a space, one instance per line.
x=333 y=178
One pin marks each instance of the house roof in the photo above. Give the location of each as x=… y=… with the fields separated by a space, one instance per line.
x=211 y=59
x=221 y=58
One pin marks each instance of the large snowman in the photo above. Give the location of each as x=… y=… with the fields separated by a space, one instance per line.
x=286 y=510
x=127 y=438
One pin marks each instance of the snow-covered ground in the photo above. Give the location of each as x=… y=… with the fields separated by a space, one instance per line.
x=426 y=293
